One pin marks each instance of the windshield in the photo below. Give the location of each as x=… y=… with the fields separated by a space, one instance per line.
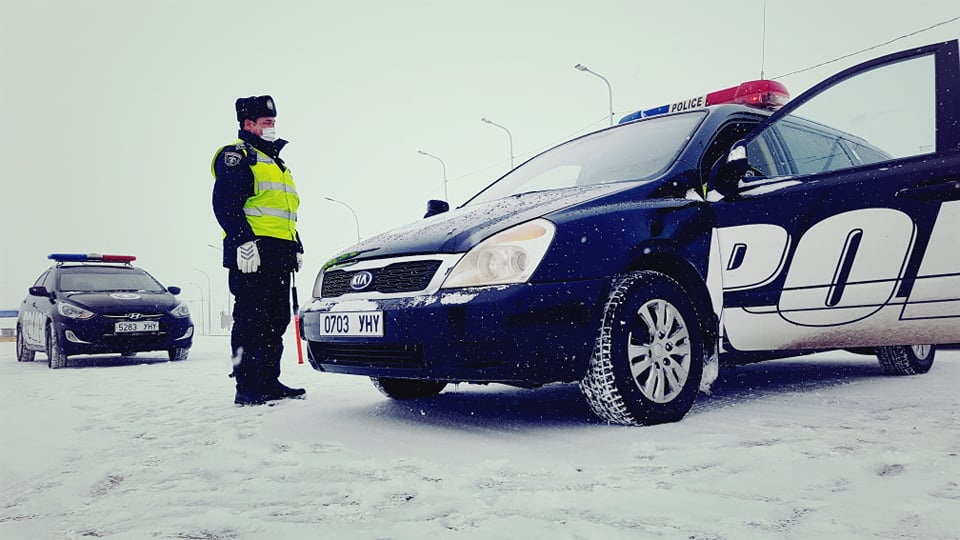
x=629 y=153
x=101 y=279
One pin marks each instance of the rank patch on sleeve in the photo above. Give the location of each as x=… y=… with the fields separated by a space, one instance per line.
x=231 y=158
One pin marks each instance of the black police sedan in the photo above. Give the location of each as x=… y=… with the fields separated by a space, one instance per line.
x=98 y=304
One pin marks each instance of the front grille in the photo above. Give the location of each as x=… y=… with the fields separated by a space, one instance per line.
x=394 y=278
x=126 y=316
x=369 y=355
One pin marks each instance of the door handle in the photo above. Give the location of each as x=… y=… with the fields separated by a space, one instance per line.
x=946 y=191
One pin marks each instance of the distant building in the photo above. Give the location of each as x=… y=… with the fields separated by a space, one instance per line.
x=8 y=325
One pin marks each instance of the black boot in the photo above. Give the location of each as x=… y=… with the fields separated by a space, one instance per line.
x=249 y=398
x=270 y=375
x=278 y=390
x=249 y=390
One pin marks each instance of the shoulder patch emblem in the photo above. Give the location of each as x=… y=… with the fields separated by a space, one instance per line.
x=231 y=158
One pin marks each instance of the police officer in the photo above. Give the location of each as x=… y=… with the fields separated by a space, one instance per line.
x=255 y=201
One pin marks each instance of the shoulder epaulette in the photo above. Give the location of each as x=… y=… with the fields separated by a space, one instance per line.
x=248 y=151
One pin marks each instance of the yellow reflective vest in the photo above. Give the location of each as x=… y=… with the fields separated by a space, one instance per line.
x=272 y=211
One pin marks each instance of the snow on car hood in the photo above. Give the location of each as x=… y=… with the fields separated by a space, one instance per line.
x=460 y=229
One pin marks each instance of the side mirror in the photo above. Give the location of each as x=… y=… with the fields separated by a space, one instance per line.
x=174 y=290
x=39 y=291
x=726 y=173
x=435 y=207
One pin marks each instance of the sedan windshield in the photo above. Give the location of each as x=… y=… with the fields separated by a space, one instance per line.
x=102 y=279
x=629 y=153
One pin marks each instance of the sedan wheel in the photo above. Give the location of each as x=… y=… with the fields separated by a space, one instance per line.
x=23 y=353
x=55 y=357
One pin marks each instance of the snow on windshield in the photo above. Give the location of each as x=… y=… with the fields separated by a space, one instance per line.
x=632 y=152
x=95 y=279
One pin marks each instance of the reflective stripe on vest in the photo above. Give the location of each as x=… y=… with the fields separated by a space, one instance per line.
x=278 y=186
x=272 y=210
x=259 y=211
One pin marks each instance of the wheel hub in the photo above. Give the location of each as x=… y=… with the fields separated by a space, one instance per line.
x=659 y=351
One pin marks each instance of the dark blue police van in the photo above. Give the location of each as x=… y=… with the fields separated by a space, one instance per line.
x=727 y=228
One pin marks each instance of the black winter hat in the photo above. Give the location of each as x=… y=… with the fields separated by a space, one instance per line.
x=254 y=107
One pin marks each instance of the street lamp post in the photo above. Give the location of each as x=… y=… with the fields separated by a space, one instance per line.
x=510 y=136
x=444 y=166
x=355 y=220
x=582 y=67
x=209 y=297
x=199 y=288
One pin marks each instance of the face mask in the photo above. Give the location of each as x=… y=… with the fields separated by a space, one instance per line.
x=269 y=134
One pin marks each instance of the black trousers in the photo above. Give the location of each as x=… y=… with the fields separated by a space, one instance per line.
x=261 y=313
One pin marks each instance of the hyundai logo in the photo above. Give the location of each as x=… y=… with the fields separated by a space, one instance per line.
x=361 y=280
x=133 y=316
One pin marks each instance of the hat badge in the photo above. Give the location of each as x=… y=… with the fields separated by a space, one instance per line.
x=270 y=104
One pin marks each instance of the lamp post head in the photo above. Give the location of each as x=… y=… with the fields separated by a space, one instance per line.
x=581 y=67
x=428 y=154
x=484 y=120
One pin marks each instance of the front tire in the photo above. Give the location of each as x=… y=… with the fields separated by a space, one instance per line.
x=906 y=359
x=648 y=359
x=407 y=388
x=178 y=354
x=55 y=357
x=24 y=354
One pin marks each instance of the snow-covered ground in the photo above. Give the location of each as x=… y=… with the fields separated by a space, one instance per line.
x=820 y=447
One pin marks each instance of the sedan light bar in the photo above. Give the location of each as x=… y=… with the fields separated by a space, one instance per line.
x=91 y=257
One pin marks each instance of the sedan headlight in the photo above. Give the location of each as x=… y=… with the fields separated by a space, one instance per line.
x=180 y=311
x=73 y=312
x=510 y=256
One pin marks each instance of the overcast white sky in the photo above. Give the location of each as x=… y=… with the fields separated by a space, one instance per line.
x=113 y=108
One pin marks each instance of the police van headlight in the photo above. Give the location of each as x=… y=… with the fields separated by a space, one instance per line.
x=510 y=256
x=73 y=312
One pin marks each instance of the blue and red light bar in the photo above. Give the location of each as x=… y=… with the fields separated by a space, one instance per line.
x=91 y=257
x=764 y=94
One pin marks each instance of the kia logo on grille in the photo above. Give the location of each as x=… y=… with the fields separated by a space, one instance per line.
x=361 y=280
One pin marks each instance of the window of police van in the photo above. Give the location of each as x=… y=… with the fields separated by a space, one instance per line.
x=632 y=152
x=726 y=136
x=885 y=113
